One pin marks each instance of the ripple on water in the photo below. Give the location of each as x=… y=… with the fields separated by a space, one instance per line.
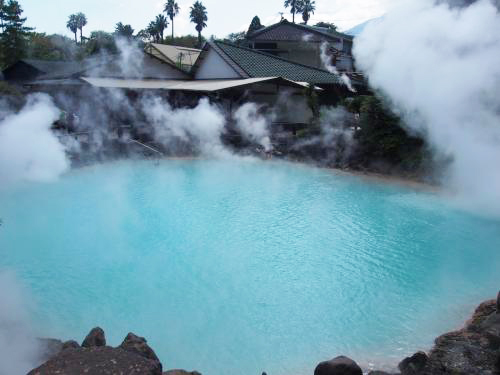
x=239 y=267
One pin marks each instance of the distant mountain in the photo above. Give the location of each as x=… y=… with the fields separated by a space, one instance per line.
x=358 y=29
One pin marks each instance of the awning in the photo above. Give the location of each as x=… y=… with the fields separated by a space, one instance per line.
x=210 y=85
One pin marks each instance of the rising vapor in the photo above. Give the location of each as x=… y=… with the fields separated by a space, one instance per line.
x=439 y=64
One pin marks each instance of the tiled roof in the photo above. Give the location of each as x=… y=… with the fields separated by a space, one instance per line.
x=259 y=64
x=287 y=31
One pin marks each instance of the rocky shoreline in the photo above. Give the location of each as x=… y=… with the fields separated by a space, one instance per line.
x=472 y=350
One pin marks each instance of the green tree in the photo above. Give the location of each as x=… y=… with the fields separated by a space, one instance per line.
x=81 y=22
x=50 y=47
x=161 y=23
x=254 y=25
x=100 y=41
x=125 y=31
x=172 y=9
x=14 y=36
x=199 y=17
x=237 y=38
x=308 y=8
x=72 y=25
x=295 y=7
x=327 y=25
x=2 y=14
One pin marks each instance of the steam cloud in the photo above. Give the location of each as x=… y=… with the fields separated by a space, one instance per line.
x=29 y=151
x=439 y=64
x=253 y=125
x=19 y=350
x=325 y=59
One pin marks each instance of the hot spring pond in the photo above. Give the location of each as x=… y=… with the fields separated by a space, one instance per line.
x=240 y=267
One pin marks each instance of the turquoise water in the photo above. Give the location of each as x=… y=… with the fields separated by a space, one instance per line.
x=239 y=267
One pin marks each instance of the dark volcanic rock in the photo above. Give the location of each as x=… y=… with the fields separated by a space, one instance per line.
x=70 y=344
x=94 y=338
x=181 y=372
x=469 y=351
x=413 y=365
x=138 y=345
x=338 y=366
x=498 y=303
x=97 y=360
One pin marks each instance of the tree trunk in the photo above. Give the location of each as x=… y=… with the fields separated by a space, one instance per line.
x=172 y=29
x=293 y=11
x=76 y=38
x=81 y=34
x=199 y=39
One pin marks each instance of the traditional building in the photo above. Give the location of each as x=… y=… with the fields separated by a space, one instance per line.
x=303 y=44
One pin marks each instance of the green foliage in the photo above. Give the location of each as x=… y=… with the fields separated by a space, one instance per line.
x=236 y=38
x=308 y=8
x=312 y=102
x=172 y=9
x=295 y=7
x=14 y=34
x=382 y=138
x=189 y=41
x=50 y=47
x=327 y=25
x=198 y=16
x=100 y=41
x=255 y=25
x=125 y=31
x=72 y=25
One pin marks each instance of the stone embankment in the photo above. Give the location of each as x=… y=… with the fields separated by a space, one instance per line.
x=472 y=350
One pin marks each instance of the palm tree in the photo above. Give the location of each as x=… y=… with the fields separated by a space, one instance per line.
x=124 y=30
x=172 y=10
x=308 y=8
x=295 y=7
x=82 y=21
x=72 y=24
x=161 y=23
x=198 y=16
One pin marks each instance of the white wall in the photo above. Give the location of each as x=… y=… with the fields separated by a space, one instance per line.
x=213 y=67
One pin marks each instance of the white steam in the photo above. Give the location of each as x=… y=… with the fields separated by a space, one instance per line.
x=19 y=351
x=440 y=66
x=29 y=151
x=201 y=126
x=326 y=60
x=253 y=125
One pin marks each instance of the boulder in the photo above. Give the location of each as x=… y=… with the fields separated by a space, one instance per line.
x=338 y=366
x=138 y=345
x=94 y=338
x=70 y=344
x=413 y=365
x=181 y=372
x=97 y=360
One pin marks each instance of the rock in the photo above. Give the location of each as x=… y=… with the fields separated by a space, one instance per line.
x=180 y=372
x=413 y=365
x=338 y=366
x=138 y=345
x=70 y=344
x=497 y=363
x=49 y=348
x=94 y=338
x=97 y=360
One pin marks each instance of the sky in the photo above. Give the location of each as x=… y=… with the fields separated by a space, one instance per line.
x=224 y=16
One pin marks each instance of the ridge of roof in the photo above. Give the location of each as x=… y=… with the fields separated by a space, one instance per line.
x=331 y=34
